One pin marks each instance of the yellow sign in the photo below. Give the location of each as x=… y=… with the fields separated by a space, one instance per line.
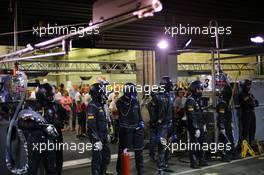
x=246 y=148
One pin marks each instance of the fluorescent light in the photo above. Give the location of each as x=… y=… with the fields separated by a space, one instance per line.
x=257 y=39
x=163 y=44
x=157 y=6
x=188 y=43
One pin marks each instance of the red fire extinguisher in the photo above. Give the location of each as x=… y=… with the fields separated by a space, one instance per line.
x=125 y=161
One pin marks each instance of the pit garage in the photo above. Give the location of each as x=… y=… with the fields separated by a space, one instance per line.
x=72 y=45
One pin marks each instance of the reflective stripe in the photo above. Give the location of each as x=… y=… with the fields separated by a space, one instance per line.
x=222 y=110
x=246 y=98
x=90 y=117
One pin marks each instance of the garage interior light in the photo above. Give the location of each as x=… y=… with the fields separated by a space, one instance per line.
x=163 y=44
x=257 y=39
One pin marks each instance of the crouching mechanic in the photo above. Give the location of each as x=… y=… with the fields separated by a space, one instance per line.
x=196 y=124
x=131 y=127
x=43 y=128
x=97 y=130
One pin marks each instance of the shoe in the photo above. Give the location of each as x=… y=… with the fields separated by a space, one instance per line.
x=153 y=158
x=160 y=172
x=225 y=159
x=168 y=170
x=194 y=166
x=235 y=156
x=203 y=163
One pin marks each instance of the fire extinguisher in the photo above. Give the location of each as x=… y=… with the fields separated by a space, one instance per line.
x=125 y=161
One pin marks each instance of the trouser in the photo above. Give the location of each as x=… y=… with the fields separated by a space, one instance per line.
x=230 y=135
x=197 y=154
x=74 y=116
x=100 y=159
x=116 y=128
x=59 y=153
x=180 y=127
x=131 y=138
x=165 y=131
x=153 y=141
x=248 y=126
x=36 y=157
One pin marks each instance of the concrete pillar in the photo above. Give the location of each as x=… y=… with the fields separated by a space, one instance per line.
x=166 y=65
x=145 y=66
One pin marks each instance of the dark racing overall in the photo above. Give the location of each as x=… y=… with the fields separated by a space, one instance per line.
x=131 y=127
x=196 y=124
x=224 y=123
x=162 y=106
x=248 y=118
x=97 y=130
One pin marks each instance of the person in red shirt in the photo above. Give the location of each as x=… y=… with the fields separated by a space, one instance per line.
x=66 y=103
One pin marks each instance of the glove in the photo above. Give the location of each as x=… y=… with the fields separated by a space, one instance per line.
x=205 y=128
x=222 y=131
x=163 y=141
x=173 y=138
x=256 y=103
x=98 y=145
x=232 y=125
x=184 y=118
x=51 y=130
x=197 y=133
x=141 y=125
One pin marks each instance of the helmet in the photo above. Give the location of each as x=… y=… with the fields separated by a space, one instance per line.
x=246 y=85
x=45 y=93
x=227 y=93
x=97 y=91
x=195 y=86
x=130 y=90
x=166 y=83
x=19 y=86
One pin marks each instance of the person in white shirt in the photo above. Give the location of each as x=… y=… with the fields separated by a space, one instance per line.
x=80 y=112
x=57 y=95
x=114 y=114
x=86 y=96
x=179 y=111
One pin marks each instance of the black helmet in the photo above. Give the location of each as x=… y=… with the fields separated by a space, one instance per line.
x=45 y=93
x=246 y=85
x=130 y=90
x=166 y=83
x=227 y=93
x=195 y=86
x=97 y=92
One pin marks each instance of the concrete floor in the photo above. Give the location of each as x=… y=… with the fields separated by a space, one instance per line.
x=81 y=164
x=247 y=166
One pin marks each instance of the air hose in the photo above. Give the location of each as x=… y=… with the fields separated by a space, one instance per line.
x=10 y=162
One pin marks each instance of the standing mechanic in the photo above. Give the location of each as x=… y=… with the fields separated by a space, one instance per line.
x=162 y=103
x=248 y=118
x=97 y=130
x=131 y=126
x=196 y=123
x=224 y=122
x=153 y=118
